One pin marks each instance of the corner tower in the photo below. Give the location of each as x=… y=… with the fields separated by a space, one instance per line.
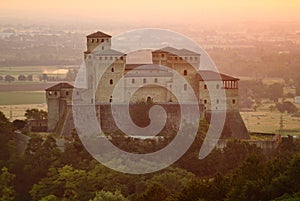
x=99 y=40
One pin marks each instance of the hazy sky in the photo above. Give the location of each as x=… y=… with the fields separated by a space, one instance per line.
x=154 y=10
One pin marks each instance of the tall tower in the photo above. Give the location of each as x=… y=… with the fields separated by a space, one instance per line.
x=186 y=63
x=98 y=40
x=104 y=66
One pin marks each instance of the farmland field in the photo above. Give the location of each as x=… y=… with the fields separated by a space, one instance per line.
x=22 y=97
x=264 y=120
x=29 y=70
x=17 y=111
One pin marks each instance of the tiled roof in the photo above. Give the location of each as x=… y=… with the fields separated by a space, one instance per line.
x=98 y=34
x=207 y=75
x=60 y=86
x=132 y=66
x=178 y=52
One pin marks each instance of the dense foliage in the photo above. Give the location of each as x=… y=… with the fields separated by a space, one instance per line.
x=238 y=172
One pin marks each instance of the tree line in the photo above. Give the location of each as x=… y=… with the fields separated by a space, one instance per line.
x=238 y=172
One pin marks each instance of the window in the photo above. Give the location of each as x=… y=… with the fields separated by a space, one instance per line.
x=144 y=80
x=205 y=101
x=67 y=93
x=175 y=58
x=111 y=58
x=218 y=86
x=121 y=58
x=92 y=40
x=185 y=87
x=102 y=47
x=132 y=81
x=196 y=58
x=218 y=101
x=162 y=55
x=155 y=80
x=100 y=58
x=111 y=81
x=55 y=93
x=233 y=101
x=97 y=40
x=112 y=70
x=105 y=58
x=185 y=72
x=205 y=86
x=102 y=40
x=110 y=99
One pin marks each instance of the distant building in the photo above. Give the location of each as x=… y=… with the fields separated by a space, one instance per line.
x=297 y=99
x=205 y=84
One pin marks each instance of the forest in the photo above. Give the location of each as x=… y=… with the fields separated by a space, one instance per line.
x=240 y=171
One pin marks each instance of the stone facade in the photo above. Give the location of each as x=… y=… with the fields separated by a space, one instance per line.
x=151 y=83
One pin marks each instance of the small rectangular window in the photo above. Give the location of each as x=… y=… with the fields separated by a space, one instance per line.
x=233 y=101
x=205 y=101
x=205 y=86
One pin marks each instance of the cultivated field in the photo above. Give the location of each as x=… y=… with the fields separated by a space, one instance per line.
x=17 y=111
x=264 y=120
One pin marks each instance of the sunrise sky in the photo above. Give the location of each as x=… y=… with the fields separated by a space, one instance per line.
x=154 y=10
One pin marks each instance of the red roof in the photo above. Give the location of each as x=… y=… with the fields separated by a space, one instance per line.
x=98 y=34
x=59 y=86
x=207 y=75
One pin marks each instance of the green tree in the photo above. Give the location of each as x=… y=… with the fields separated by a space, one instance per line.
x=35 y=114
x=154 y=192
x=65 y=183
x=19 y=124
x=286 y=106
x=7 y=191
x=9 y=78
x=275 y=91
x=109 y=196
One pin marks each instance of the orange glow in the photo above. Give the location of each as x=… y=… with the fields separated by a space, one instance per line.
x=157 y=10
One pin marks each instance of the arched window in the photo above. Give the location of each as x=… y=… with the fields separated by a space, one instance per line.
x=112 y=70
x=111 y=81
x=185 y=72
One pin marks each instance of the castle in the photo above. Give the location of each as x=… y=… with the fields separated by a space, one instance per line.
x=151 y=83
